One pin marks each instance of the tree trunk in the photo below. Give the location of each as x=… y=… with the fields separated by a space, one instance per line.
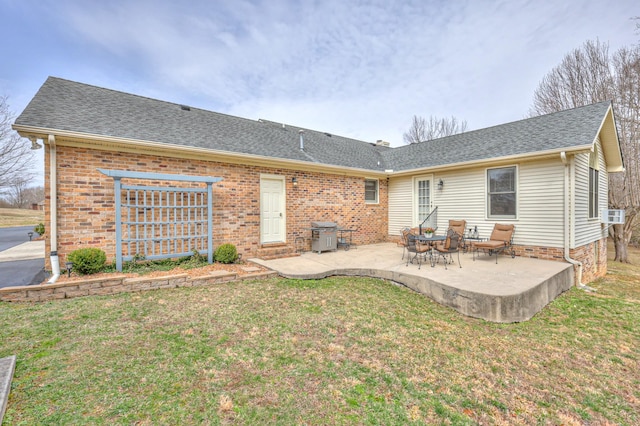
x=622 y=236
x=620 y=244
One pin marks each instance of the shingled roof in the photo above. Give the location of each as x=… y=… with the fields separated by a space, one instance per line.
x=66 y=106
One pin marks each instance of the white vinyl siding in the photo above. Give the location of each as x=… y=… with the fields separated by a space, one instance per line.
x=588 y=229
x=400 y=204
x=462 y=197
x=540 y=202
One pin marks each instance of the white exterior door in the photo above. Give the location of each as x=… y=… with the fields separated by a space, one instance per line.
x=423 y=202
x=272 y=221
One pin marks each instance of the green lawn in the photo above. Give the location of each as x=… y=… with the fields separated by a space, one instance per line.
x=335 y=351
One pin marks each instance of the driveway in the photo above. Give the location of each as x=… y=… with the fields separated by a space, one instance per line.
x=21 y=260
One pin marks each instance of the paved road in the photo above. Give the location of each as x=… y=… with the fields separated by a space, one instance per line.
x=19 y=271
x=10 y=237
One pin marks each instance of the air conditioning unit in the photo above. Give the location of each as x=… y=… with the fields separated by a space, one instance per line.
x=612 y=217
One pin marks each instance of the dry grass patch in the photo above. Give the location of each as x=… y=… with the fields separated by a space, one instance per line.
x=20 y=217
x=333 y=351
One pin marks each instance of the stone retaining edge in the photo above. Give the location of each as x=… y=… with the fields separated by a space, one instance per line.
x=118 y=284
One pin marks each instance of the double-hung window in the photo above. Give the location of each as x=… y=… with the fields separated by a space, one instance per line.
x=501 y=192
x=593 y=183
x=371 y=191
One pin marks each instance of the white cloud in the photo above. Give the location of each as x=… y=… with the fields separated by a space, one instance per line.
x=357 y=68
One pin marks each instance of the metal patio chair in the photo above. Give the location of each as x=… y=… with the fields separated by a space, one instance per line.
x=451 y=245
x=418 y=249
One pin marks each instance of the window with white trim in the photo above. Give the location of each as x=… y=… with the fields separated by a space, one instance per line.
x=594 y=180
x=371 y=191
x=501 y=192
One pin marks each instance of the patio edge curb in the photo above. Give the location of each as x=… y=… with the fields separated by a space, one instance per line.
x=509 y=308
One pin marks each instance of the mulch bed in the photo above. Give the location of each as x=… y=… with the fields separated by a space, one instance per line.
x=241 y=269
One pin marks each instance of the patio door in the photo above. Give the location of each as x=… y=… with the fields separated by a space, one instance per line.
x=272 y=221
x=423 y=198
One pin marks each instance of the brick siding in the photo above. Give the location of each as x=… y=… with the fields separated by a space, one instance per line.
x=86 y=204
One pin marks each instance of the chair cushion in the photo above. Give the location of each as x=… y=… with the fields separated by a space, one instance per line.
x=502 y=233
x=422 y=248
x=489 y=244
x=458 y=225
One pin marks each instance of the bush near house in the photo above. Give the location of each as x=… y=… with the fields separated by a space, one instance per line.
x=226 y=253
x=39 y=228
x=87 y=261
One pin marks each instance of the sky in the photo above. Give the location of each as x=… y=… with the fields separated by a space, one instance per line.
x=360 y=69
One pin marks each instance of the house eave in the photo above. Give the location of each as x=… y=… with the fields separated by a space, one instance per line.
x=608 y=134
x=108 y=143
x=495 y=161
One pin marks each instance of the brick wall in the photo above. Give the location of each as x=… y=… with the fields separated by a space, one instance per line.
x=594 y=259
x=592 y=268
x=86 y=205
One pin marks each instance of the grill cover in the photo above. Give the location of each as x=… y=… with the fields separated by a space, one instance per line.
x=318 y=224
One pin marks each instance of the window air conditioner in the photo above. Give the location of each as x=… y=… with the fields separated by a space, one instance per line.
x=613 y=217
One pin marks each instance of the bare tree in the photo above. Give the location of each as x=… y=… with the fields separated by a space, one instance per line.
x=15 y=156
x=422 y=130
x=588 y=75
x=18 y=193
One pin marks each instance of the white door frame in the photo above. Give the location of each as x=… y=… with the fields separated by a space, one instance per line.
x=416 y=197
x=266 y=182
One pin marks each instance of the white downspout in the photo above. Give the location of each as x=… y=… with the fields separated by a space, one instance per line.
x=567 y=223
x=53 y=208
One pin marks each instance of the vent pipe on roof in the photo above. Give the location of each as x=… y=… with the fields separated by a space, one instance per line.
x=301 y=132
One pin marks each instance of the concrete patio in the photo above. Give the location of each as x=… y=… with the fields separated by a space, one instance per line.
x=512 y=290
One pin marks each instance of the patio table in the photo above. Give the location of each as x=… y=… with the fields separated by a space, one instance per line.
x=431 y=241
x=469 y=247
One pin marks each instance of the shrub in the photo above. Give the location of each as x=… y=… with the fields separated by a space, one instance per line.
x=87 y=260
x=226 y=253
x=39 y=229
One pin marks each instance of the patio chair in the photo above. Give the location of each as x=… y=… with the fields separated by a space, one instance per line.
x=451 y=245
x=417 y=248
x=501 y=240
x=459 y=226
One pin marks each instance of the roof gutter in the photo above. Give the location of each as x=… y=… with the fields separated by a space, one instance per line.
x=567 y=220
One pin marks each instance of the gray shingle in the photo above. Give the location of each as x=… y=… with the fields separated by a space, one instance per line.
x=561 y=130
x=65 y=105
